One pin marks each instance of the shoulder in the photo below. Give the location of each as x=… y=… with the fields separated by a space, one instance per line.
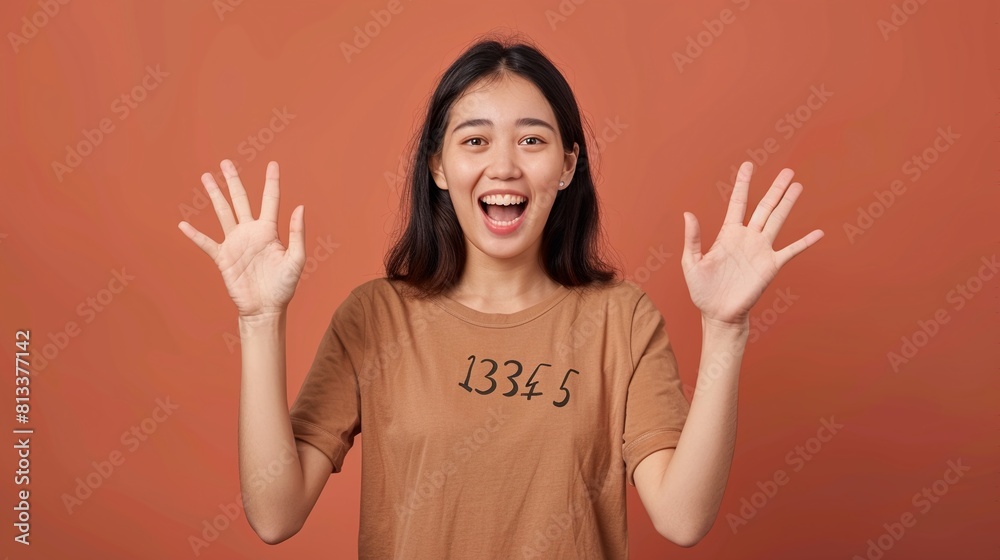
x=620 y=294
x=383 y=293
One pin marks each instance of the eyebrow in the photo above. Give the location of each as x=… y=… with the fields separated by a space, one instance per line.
x=523 y=121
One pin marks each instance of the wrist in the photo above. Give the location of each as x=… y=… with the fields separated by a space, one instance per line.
x=738 y=327
x=262 y=321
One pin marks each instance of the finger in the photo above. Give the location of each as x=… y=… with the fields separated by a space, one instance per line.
x=236 y=192
x=770 y=200
x=219 y=202
x=269 y=204
x=206 y=244
x=692 y=239
x=738 y=199
x=777 y=218
x=786 y=254
x=297 y=234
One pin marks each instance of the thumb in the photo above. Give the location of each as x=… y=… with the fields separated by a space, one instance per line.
x=297 y=234
x=692 y=238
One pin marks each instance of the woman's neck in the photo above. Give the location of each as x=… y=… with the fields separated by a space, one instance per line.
x=494 y=286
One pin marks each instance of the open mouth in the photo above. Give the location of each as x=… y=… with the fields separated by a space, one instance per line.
x=503 y=209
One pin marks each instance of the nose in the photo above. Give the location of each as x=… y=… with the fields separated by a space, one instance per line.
x=503 y=163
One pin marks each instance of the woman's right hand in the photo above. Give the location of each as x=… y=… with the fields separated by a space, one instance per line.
x=259 y=272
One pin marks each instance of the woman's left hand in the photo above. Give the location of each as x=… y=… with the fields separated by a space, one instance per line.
x=728 y=280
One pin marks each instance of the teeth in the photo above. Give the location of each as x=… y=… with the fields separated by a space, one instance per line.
x=503 y=199
x=503 y=223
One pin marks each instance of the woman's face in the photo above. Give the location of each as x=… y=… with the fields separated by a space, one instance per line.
x=503 y=138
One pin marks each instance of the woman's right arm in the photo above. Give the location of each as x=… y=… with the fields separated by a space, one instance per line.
x=277 y=504
x=281 y=478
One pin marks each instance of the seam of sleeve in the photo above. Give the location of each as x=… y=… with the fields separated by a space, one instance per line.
x=631 y=332
x=647 y=435
x=317 y=426
x=338 y=445
x=364 y=351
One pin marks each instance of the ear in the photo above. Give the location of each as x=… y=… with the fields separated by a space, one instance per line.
x=569 y=166
x=434 y=163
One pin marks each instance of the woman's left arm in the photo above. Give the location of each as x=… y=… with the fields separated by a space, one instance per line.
x=682 y=488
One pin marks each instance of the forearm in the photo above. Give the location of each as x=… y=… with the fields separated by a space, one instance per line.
x=692 y=485
x=266 y=443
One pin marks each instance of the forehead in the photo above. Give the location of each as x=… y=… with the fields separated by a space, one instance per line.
x=503 y=101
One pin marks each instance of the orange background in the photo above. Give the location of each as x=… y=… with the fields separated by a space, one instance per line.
x=171 y=332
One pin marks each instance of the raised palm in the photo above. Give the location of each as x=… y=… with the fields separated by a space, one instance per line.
x=259 y=273
x=728 y=280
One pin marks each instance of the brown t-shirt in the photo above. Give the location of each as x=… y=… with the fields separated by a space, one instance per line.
x=492 y=435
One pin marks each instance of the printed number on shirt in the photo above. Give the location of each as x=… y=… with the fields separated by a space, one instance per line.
x=517 y=368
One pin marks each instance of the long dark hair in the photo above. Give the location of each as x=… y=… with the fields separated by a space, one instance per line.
x=430 y=253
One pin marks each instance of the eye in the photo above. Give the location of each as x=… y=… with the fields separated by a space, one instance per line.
x=471 y=139
x=539 y=140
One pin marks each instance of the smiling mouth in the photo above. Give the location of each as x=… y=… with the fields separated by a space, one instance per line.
x=503 y=214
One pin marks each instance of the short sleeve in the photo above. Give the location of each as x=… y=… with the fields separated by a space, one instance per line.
x=656 y=408
x=327 y=411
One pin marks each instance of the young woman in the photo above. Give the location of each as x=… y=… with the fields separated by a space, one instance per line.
x=508 y=383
